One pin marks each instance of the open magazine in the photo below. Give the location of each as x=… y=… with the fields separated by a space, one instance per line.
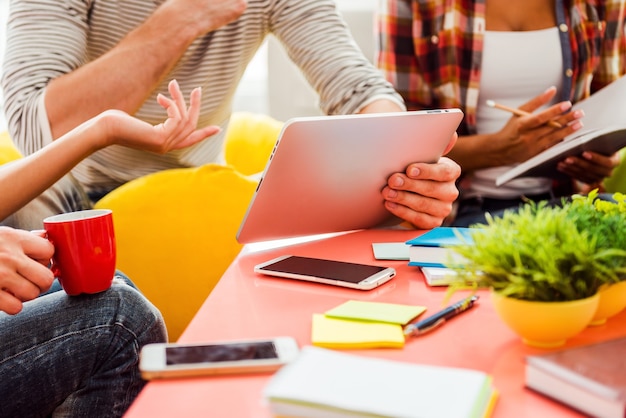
x=604 y=132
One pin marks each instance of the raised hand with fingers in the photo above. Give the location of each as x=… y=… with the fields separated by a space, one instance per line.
x=177 y=131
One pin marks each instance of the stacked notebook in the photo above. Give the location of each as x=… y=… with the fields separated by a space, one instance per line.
x=327 y=383
x=589 y=378
x=434 y=248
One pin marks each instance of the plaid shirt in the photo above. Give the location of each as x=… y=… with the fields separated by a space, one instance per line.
x=431 y=50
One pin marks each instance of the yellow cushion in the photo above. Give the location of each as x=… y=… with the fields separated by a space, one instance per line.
x=249 y=141
x=8 y=151
x=175 y=233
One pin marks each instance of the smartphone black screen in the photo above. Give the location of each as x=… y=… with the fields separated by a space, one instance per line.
x=220 y=352
x=327 y=269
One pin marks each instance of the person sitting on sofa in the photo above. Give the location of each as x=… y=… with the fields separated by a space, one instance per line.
x=76 y=355
x=121 y=53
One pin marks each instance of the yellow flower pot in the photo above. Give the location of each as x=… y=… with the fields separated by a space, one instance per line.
x=545 y=324
x=612 y=301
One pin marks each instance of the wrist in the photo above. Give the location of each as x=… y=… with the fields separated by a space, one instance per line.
x=103 y=130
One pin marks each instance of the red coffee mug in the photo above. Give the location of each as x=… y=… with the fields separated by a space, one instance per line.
x=84 y=250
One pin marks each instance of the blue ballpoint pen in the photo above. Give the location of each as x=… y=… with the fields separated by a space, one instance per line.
x=432 y=322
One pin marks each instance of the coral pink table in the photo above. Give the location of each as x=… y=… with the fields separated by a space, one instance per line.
x=246 y=305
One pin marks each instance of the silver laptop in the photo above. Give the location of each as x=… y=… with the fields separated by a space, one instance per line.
x=326 y=173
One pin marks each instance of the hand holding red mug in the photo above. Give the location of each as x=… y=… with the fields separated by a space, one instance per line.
x=24 y=272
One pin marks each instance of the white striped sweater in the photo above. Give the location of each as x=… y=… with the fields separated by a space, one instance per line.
x=48 y=38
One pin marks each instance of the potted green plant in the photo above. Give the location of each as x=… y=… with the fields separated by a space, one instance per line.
x=606 y=218
x=540 y=255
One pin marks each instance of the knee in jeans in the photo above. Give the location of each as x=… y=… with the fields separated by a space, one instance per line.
x=138 y=314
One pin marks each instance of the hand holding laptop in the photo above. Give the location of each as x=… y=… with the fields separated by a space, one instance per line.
x=341 y=173
x=424 y=194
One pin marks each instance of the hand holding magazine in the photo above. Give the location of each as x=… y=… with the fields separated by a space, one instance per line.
x=604 y=132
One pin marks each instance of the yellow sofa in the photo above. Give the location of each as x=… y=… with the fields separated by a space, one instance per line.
x=175 y=230
x=175 y=233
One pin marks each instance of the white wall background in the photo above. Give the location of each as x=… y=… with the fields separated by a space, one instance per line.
x=289 y=93
x=272 y=84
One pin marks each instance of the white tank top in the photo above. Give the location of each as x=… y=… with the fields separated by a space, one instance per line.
x=516 y=67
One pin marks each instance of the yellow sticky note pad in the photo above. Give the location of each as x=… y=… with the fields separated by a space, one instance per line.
x=344 y=333
x=392 y=313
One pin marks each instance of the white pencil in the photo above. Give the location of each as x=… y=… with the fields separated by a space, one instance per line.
x=519 y=112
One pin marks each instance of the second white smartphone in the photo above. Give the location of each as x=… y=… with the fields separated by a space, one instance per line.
x=338 y=273
x=223 y=357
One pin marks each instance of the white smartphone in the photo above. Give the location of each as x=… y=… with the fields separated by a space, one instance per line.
x=338 y=273
x=158 y=361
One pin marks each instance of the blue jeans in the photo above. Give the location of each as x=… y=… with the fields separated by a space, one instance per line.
x=76 y=355
x=119 y=276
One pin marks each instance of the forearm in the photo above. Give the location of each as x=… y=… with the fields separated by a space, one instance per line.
x=24 y=179
x=475 y=152
x=123 y=77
